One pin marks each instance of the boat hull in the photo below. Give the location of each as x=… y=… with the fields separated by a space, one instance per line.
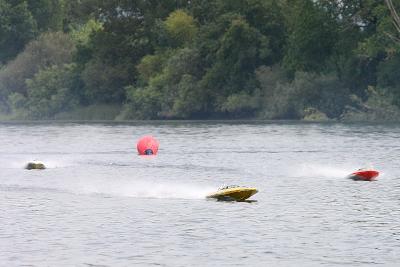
x=233 y=194
x=364 y=175
x=35 y=166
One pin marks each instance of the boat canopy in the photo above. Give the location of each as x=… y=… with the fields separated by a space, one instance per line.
x=228 y=187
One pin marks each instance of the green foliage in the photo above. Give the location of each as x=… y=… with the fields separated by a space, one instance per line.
x=241 y=104
x=388 y=72
x=381 y=28
x=17 y=103
x=313 y=114
x=104 y=83
x=81 y=34
x=144 y=103
x=48 y=14
x=152 y=65
x=172 y=92
x=238 y=50
x=378 y=108
x=78 y=12
x=311 y=39
x=264 y=15
x=179 y=94
x=91 y=112
x=108 y=61
x=188 y=100
x=306 y=92
x=283 y=103
x=181 y=27
x=242 y=49
x=54 y=48
x=17 y=27
x=275 y=59
x=51 y=91
x=21 y=21
x=128 y=29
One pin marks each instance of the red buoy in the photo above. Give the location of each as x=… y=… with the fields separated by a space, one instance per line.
x=364 y=175
x=147 y=145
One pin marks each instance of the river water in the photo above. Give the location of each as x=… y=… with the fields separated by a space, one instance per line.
x=100 y=204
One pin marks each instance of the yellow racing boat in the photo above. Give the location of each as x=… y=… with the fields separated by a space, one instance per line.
x=233 y=193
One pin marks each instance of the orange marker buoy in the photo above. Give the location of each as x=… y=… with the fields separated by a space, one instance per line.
x=147 y=145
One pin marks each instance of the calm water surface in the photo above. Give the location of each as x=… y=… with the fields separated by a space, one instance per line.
x=99 y=204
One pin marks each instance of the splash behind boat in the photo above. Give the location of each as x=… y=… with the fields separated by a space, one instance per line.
x=233 y=193
x=364 y=175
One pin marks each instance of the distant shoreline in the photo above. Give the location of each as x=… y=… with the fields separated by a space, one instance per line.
x=194 y=121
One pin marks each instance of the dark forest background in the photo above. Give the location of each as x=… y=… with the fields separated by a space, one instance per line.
x=216 y=59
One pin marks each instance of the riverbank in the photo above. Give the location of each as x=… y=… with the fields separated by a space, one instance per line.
x=373 y=112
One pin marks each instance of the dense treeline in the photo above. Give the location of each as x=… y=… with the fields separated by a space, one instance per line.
x=175 y=59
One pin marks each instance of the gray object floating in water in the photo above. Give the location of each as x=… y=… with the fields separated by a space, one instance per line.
x=35 y=165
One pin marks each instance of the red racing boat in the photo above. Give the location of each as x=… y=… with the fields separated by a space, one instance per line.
x=364 y=175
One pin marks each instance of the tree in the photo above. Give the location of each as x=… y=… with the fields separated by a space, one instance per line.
x=21 y=21
x=238 y=52
x=104 y=83
x=181 y=27
x=52 y=91
x=108 y=61
x=49 y=49
x=311 y=37
x=17 y=27
x=170 y=92
x=48 y=14
x=264 y=15
x=395 y=17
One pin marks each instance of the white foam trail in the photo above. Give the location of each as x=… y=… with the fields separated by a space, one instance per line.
x=117 y=186
x=146 y=189
x=324 y=171
x=49 y=163
x=121 y=188
x=58 y=163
